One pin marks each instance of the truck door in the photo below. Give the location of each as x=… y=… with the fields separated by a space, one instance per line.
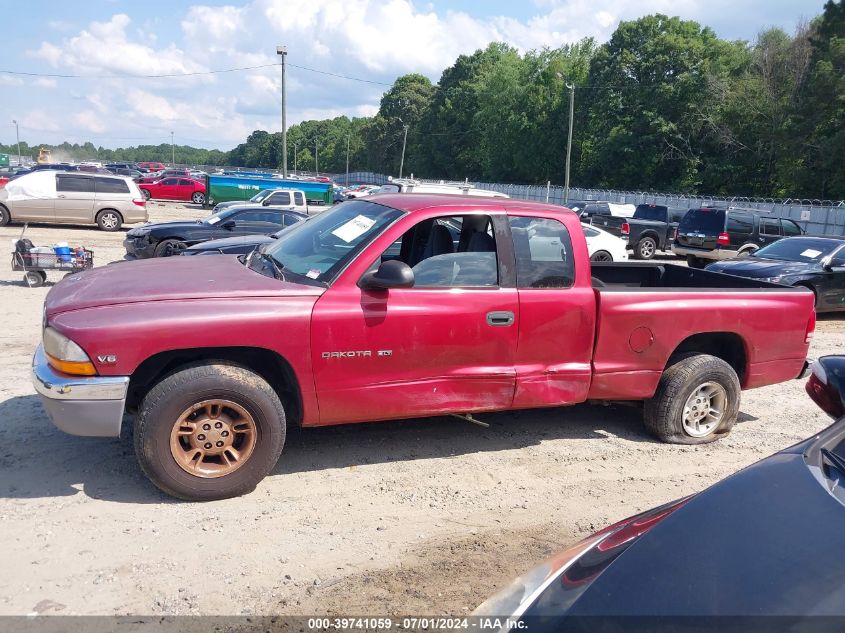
x=444 y=345
x=557 y=316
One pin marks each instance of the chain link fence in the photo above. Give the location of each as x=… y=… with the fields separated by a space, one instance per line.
x=817 y=217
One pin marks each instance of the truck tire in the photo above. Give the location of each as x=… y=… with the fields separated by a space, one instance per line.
x=209 y=431
x=696 y=402
x=645 y=248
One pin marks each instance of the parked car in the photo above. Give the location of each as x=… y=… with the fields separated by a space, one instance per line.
x=817 y=263
x=650 y=229
x=293 y=199
x=327 y=326
x=164 y=239
x=151 y=166
x=713 y=233
x=114 y=166
x=587 y=209
x=166 y=173
x=244 y=243
x=174 y=189
x=134 y=174
x=762 y=548
x=72 y=198
x=604 y=247
x=362 y=192
x=406 y=185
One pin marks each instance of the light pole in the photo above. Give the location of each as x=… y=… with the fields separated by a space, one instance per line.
x=316 y=167
x=402 y=161
x=18 y=137
x=282 y=51
x=346 y=182
x=172 y=151
x=571 y=87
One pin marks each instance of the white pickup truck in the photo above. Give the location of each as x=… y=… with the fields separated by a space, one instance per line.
x=292 y=199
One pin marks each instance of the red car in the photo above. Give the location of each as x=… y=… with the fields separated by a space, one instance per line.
x=151 y=166
x=174 y=189
x=413 y=306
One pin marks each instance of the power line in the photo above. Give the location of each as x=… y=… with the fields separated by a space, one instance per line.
x=19 y=73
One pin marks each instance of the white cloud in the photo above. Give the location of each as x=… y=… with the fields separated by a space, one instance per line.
x=44 y=82
x=90 y=121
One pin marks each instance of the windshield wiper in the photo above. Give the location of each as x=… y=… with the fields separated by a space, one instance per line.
x=834 y=459
x=277 y=268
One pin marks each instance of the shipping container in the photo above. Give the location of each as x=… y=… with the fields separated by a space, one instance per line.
x=229 y=187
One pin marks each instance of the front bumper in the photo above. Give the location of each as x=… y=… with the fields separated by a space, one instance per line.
x=138 y=248
x=80 y=405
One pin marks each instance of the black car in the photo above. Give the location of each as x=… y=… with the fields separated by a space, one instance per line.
x=762 y=542
x=714 y=233
x=815 y=262
x=126 y=171
x=650 y=229
x=243 y=244
x=113 y=166
x=171 y=238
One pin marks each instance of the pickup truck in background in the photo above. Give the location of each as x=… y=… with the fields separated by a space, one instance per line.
x=650 y=229
x=392 y=307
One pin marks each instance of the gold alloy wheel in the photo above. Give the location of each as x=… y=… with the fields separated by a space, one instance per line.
x=213 y=438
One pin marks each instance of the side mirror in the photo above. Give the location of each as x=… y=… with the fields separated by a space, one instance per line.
x=390 y=274
x=266 y=202
x=228 y=225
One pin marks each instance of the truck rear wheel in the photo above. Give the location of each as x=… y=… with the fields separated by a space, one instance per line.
x=645 y=248
x=209 y=431
x=696 y=402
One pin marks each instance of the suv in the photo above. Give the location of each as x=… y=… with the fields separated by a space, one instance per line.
x=72 y=198
x=713 y=233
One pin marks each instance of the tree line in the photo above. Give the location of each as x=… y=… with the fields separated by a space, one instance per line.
x=664 y=105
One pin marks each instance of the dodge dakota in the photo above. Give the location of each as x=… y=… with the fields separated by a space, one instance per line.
x=399 y=306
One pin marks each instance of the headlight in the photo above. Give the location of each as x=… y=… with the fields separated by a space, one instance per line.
x=66 y=356
x=139 y=232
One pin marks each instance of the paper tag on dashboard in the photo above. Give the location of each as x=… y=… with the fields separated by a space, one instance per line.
x=811 y=253
x=313 y=273
x=355 y=228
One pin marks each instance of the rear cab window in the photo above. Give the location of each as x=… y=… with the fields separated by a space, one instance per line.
x=654 y=212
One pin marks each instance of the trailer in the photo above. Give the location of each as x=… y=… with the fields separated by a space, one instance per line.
x=229 y=187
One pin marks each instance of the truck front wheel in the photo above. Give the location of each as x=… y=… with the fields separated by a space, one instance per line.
x=696 y=402
x=209 y=431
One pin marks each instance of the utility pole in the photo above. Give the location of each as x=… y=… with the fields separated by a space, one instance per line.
x=172 y=151
x=402 y=161
x=294 y=157
x=18 y=137
x=282 y=51
x=346 y=182
x=569 y=140
x=316 y=166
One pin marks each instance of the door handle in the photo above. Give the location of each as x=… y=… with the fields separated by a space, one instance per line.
x=61 y=195
x=500 y=319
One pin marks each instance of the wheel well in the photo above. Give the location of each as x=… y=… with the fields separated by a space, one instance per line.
x=266 y=363
x=650 y=234
x=725 y=345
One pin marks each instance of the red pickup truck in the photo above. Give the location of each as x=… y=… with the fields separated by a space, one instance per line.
x=399 y=306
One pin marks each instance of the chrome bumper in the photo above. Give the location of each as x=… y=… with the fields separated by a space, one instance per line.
x=80 y=405
x=717 y=254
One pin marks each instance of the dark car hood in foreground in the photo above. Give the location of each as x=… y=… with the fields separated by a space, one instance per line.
x=163 y=279
x=172 y=228
x=765 y=541
x=761 y=267
x=231 y=242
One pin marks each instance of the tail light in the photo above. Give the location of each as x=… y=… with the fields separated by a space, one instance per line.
x=139 y=202
x=626 y=228
x=675 y=234
x=823 y=393
x=724 y=239
x=811 y=327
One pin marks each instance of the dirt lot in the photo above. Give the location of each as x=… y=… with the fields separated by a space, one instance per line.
x=425 y=516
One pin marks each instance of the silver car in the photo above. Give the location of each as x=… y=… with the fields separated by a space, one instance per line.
x=72 y=198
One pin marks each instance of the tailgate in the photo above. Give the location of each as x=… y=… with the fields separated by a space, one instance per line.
x=610 y=223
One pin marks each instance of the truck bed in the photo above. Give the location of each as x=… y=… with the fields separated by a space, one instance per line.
x=648 y=312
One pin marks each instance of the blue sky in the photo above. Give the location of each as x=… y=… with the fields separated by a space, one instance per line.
x=371 y=39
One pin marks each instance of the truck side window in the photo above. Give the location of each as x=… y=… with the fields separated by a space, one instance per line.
x=449 y=252
x=298 y=198
x=543 y=252
x=280 y=197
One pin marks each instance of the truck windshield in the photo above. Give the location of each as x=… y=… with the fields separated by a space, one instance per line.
x=321 y=247
x=259 y=197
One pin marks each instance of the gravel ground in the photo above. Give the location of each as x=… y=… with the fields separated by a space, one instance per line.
x=422 y=516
